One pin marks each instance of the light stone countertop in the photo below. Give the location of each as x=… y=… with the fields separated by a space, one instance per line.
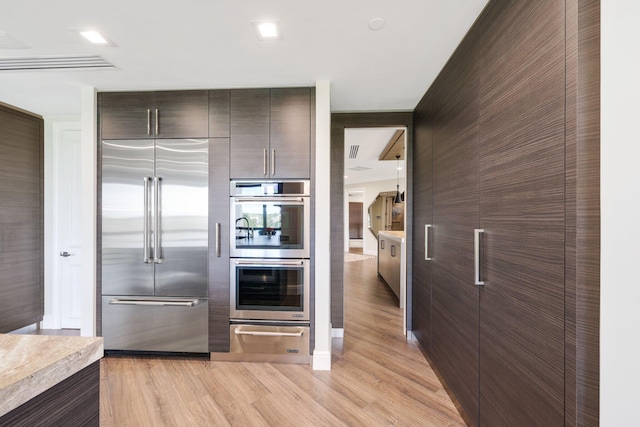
x=399 y=235
x=32 y=364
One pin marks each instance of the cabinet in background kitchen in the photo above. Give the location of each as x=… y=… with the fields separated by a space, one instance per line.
x=164 y=114
x=270 y=133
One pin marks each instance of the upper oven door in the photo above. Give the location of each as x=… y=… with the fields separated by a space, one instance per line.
x=270 y=227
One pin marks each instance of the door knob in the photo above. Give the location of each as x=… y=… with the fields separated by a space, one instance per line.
x=65 y=254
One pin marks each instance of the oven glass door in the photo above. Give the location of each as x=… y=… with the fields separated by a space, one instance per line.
x=270 y=289
x=274 y=227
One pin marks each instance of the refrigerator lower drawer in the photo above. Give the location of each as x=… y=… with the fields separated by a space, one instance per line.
x=155 y=324
x=270 y=343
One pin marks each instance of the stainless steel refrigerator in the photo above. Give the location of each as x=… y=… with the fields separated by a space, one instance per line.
x=154 y=245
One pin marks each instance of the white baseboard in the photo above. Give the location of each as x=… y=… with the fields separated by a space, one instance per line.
x=49 y=322
x=321 y=361
x=337 y=332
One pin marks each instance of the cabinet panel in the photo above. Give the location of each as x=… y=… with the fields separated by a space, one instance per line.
x=522 y=212
x=219 y=265
x=290 y=132
x=181 y=114
x=249 y=133
x=219 y=113
x=126 y=115
x=21 y=220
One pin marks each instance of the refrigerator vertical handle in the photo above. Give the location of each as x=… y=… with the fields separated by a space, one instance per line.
x=145 y=219
x=148 y=121
x=218 y=239
x=157 y=122
x=476 y=252
x=426 y=242
x=273 y=162
x=264 y=162
x=157 y=241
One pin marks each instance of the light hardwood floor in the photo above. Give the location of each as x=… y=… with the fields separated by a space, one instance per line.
x=377 y=379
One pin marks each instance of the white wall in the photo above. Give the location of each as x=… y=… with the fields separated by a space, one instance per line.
x=620 y=214
x=371 y=190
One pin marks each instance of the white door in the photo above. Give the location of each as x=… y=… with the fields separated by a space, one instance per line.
x=67 y=224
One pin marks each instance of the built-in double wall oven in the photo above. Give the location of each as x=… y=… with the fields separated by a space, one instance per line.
x=270 y=268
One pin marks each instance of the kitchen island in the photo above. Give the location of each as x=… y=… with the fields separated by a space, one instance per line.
x=391 y=262
x=49 y=380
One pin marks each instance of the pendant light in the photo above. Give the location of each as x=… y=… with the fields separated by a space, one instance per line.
x=398 y=198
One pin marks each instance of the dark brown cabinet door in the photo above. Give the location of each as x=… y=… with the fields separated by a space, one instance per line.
x=219 y=244
x=249 y=133
x=181 y=114
x=422 y=216
x=168 y=114
x=290 y=133
x=522 y=213
x=21 y=220
x=219 y=113
x=125 y=115
x=455 y=306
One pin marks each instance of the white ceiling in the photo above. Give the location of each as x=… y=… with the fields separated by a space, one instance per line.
x=371 y=142
x=169 y=44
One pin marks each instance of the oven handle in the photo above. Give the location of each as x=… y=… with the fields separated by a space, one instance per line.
x=292 y=200
x=267 y=263
x=239 y=331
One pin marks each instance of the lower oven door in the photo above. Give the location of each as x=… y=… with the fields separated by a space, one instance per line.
x=269 y=342
x=269 y=289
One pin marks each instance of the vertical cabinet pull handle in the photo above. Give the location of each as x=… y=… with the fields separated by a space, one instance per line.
x=426 y=242
x=476 y=254
x=218 y=239
x=381 y=244
x=148 y=121
x=273 y=162
x=157 y=241
x=393 y=250
x=145 y=218
x=264 y=162
x=157 y=122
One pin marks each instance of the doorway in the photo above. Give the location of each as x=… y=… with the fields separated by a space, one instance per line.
x=339 y=202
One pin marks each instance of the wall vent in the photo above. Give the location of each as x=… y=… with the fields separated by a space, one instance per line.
x=353 y=151
x=54 y=63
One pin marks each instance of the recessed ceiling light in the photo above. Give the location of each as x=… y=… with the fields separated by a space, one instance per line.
x=94 y=36
x=267 y=30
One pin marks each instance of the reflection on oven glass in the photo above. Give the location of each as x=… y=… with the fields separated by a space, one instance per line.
x=261 y=288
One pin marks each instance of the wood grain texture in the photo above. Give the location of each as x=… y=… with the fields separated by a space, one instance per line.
x=377 y=378
x=340 y=121
x=21 y=219
x=124 y=115
x=219 y=266
x=249 y=132
x=219 y=113
x=290 y=132
x=422 y=215
x=74 y=401
x=181 y=114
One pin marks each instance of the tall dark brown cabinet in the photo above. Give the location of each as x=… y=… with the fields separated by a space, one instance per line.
x=21 y=219
x=499 y=322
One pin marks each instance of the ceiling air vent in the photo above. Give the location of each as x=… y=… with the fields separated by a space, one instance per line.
x=54 y=63
x=353 y=151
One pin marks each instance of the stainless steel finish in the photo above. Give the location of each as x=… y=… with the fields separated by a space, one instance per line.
x=124 y=164
x=160 y=305
x=65 y=254
x=148 y=121
x=183 y=217
x=167 y=302
x=157 y=221
x=218 y=240
x=147 y=217
x=393 y=250
x=267 y=263
x=155 y=327
x=239 y=331
x=476 y=255
x=283 y=315
x=235 y=187
x=264 y=162
x=273 y=162
x=157 y=122
x=265 y=341
x=426 y=242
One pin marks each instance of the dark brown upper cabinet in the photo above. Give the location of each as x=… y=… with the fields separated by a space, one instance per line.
x=165 y=114
x=219 y=113
x=270 y=133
